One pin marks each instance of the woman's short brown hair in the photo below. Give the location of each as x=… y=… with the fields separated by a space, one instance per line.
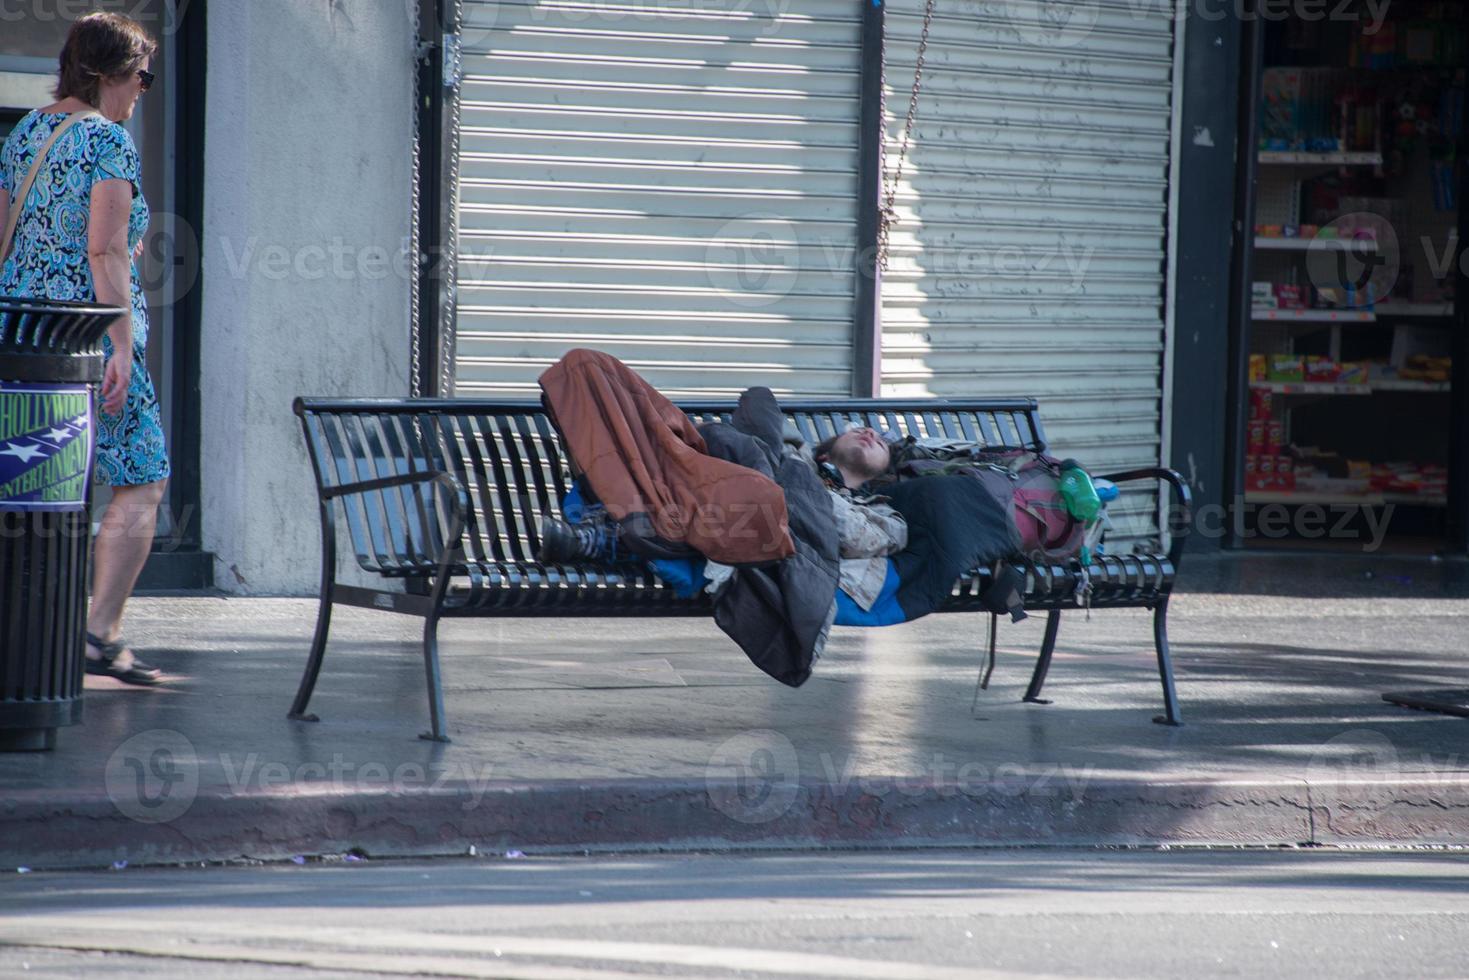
x=99 y=46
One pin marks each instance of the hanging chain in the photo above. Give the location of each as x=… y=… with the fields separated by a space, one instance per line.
x=888 y=216
x=415 y=245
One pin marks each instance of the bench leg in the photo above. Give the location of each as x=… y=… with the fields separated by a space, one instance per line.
x=1165 y=667
x=435 y=683
x=1043 y=665
x=313 y=662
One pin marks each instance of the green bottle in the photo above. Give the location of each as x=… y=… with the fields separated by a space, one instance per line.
x=1079 y=493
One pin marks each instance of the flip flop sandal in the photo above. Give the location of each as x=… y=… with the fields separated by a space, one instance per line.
x=135 y=673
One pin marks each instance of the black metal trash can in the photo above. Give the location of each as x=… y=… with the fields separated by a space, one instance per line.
x=50 y=361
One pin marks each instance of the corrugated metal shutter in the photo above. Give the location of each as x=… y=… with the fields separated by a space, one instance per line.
x=672 y=183
x=1029 y=256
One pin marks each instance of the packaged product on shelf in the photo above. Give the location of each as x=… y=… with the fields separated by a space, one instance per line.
x=1252 y=471
x=1259 y=369
x=1274 y=436
x=1420 y=43
x=1282 y=111
x=1396 y=478
x=1265 y=473
x=1358 y=469
x=1425 y=480
x=1370 y=218
x=1435 y=481
x=1285 y=473
x=1413 y=342
x=1421 y=367
x=1262 y=402
x=1321 y=369
x=1285 y=368
x=1262 y=295
x=1378 y=50
x=1289 y=297
x=1325 y=465
x=1352 y=373
x=1258 y=435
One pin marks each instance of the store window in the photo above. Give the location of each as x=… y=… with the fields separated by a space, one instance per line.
x=1355 y=278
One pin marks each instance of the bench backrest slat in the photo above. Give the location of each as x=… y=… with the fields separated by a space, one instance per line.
x=509 y=458
x=462 y=444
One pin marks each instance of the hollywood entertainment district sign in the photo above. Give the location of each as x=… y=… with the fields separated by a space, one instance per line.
x=45 y=446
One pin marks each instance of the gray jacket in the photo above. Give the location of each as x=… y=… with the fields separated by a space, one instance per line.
x=779 y=614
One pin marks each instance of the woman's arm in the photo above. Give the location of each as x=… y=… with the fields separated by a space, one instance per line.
x=107 y=253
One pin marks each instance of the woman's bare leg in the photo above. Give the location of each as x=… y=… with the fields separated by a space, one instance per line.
x=123 y=543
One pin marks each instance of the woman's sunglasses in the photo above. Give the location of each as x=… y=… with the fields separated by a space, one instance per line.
x=147 y=77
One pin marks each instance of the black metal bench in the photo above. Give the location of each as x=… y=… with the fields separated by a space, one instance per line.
x=449 y=494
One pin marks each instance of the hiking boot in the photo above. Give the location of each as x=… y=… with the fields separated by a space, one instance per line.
x=591 y=542
x=1006 y=592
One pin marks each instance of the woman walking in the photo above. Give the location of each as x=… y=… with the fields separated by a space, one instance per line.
x=75 y=235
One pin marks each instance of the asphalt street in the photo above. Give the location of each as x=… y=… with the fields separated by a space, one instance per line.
x=935 y=914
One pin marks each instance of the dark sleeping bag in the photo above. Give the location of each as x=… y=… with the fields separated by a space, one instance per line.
x=954 y=527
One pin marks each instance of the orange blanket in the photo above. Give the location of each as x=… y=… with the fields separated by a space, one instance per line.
x=641 y=455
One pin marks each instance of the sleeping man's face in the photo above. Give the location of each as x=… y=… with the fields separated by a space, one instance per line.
x=860 y=452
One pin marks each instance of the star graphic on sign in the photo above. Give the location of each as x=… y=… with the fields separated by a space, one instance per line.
x=59 y=435
x=23 y=453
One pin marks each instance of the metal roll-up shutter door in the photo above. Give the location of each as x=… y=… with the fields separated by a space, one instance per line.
x=673 y=184
x=1029 y=254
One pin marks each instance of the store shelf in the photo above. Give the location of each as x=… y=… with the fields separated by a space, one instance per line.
x=1298 y=497
x=1321 y=159
x=1310 y=497
x=1332 y=388
x=1304 y=244
x=1426 y=386
x=1310 y=388
x=1313 y=316
x=1415 y=500
x=1328 y=500
x=1415 y=309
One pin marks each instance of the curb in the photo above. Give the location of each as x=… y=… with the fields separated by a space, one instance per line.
x=45 y=830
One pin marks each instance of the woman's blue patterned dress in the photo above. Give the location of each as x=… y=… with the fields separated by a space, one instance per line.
x=49 y=259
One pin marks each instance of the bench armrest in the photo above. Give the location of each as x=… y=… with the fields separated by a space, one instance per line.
x=454 y=490
x=388 y=482
x=1181 y=519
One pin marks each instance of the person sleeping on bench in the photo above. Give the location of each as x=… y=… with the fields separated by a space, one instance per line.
x=870 y=532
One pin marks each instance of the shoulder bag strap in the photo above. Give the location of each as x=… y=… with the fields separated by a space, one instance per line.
x=17 y=204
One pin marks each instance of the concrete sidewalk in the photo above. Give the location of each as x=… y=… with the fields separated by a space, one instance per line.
x=616 y=734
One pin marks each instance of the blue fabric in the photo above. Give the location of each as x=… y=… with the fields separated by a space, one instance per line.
x=574 y=505
x=48 y=260
x=885 y=609
x=684 y=575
